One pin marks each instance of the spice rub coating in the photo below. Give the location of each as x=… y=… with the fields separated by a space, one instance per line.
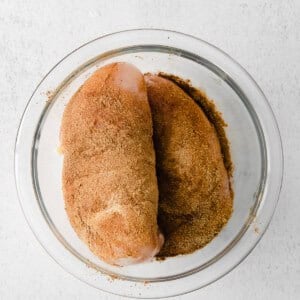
x=109 y=181
x=195 y=200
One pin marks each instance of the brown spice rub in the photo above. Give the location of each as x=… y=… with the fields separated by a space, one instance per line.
x=109 y=180
x=195 y=199
x=212 y=114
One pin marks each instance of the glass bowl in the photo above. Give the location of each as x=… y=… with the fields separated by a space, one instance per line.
x=255 y=147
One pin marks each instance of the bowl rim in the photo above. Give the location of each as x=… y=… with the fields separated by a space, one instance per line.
x=271 y=114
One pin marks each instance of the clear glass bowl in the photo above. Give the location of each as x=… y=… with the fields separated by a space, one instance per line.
x=255 y=147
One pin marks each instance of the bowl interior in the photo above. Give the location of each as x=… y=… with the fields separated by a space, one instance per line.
x=243 y=133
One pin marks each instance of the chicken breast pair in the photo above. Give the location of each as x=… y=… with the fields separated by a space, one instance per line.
x=116 y=173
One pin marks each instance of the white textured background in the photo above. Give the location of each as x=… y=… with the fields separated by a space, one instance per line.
x=264 y=36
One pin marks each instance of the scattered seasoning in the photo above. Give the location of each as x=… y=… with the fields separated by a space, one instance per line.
x=112 y=277
x=49 y=95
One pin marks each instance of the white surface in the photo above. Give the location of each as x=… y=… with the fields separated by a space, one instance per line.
x=264 y=36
